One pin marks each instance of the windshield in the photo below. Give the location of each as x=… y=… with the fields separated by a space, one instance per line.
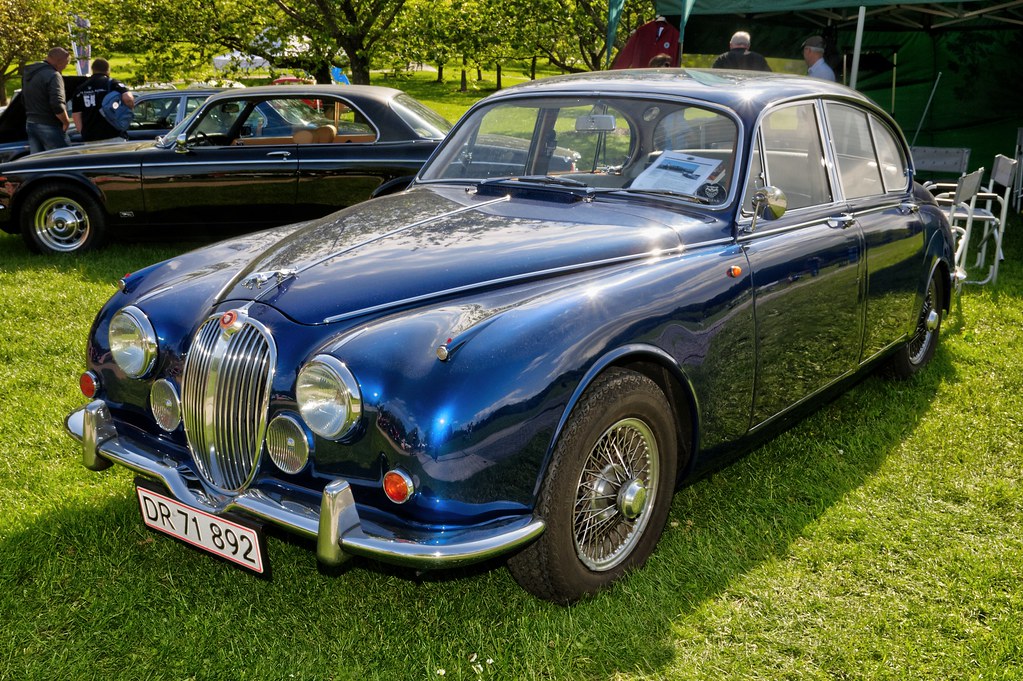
x=424 y=121
x=613 y=143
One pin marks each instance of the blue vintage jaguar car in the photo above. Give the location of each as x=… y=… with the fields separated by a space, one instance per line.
x=598 y=288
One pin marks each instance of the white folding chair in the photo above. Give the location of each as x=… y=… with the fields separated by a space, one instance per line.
x=998 y=192
x=961 y=203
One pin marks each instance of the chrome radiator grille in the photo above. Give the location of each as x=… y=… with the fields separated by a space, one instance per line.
x=225 y=398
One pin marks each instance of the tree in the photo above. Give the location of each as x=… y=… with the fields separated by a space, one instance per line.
x=28 y=29
x=358 y=27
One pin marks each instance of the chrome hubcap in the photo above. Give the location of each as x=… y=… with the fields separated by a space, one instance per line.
x=61 y=224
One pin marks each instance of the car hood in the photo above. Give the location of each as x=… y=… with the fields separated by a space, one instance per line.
x=409 y=248
x=85 y=153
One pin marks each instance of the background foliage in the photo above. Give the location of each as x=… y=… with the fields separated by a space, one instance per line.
x=172 y=40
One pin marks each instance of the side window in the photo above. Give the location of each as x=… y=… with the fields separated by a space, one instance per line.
x=191 y=104
x=154 y=114
x=894 y=169
x=794 y=156
x=857 y=166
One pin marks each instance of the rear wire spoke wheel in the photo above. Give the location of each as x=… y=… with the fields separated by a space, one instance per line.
x=58 y=219
x=921 y=346
x=607 y=492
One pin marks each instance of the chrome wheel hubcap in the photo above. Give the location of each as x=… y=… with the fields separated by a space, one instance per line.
x=61 y=224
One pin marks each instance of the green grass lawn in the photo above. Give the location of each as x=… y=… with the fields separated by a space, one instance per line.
x=881 y=538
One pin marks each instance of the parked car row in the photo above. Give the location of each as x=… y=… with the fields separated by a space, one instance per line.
x=598 y=287
x=250 y=158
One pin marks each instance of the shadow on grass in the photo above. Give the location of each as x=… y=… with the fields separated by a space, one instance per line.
x=89 y=566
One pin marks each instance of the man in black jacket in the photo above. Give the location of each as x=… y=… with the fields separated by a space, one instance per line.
x=88 y=100
x=42 y=88
x=739 y=55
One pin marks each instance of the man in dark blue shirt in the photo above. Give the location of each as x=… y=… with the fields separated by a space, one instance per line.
x=88 y=100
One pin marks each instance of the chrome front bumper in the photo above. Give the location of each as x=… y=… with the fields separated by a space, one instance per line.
x=334 y=523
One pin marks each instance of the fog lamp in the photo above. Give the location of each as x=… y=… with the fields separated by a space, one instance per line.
x=287 y=444
x=165 y=405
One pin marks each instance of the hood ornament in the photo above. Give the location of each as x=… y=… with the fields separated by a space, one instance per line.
x=258 y=279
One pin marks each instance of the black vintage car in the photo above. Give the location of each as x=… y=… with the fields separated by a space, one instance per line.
x=246 y=159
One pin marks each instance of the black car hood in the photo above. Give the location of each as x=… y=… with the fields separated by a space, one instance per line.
x=408 y=248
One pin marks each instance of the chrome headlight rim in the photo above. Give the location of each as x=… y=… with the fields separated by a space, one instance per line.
x=326 y=418
x=145 y=342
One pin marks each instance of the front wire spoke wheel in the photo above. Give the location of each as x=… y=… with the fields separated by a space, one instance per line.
x=616 y=489
x=607 y=490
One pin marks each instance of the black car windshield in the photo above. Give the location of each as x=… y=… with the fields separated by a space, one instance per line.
x=648 y=146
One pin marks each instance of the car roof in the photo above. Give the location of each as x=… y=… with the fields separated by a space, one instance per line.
x=734 y=89
x=374 y=92
x=149 y=94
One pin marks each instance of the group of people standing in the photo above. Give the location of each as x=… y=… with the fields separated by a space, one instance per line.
x=739 y=56
x=46 y=118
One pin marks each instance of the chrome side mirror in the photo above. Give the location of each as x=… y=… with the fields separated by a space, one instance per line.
x=181 y=144
x=769 y=203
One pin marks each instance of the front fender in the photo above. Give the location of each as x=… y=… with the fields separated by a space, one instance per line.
x=476 y=428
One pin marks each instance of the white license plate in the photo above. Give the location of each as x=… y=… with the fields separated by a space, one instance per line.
x=234 y=542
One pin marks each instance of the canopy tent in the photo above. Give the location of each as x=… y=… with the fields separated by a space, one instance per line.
x=959 y=56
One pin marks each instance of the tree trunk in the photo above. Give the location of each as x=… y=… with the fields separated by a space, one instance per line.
x=532 y=69
x=465 y=77
x=440 y=72
x=498 y=75
x=479 y=73
x=359 y=66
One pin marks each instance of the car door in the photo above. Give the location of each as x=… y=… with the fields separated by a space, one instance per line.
x=237 y=165
x=807 y=267
x=873 y=172
x=343 y=163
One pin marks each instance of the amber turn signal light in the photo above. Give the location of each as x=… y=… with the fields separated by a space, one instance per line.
x=398 y=486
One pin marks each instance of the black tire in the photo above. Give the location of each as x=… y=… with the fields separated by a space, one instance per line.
x=920 y=348
x=59 y=218
x=603 y=515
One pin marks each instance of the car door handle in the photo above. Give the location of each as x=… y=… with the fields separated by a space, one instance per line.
x=908 y=208
x=843 y=221
x=282 y=154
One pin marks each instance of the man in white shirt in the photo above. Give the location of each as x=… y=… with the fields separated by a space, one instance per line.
x=813 y=54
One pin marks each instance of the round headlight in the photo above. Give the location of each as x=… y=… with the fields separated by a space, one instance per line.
x=133 y=342
x=165 y=404
x=287 y=443
x=328 y=397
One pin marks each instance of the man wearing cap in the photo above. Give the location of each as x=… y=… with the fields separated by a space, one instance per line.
x=813 y=54
x=739 y=55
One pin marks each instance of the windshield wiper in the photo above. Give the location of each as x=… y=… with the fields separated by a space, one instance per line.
x=538 y=179
x=667 y=192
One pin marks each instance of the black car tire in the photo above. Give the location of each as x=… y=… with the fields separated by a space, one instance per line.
x=612 y=476
x=920 y=348
x=58 y=218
